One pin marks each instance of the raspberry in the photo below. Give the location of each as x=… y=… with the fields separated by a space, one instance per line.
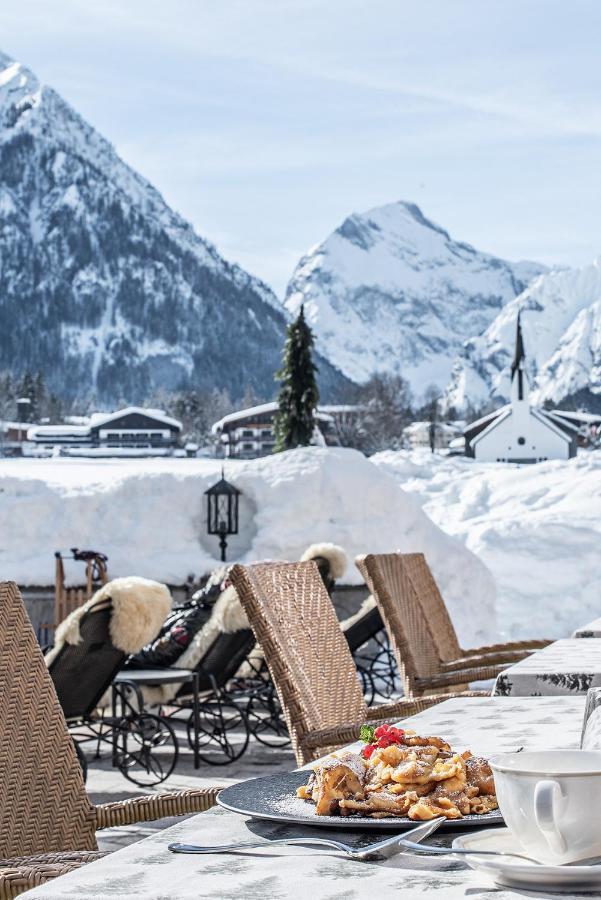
x=368 y=750
x=380 y=731
x=384 y=742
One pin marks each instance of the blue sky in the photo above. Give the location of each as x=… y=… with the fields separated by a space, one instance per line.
x=266 y=122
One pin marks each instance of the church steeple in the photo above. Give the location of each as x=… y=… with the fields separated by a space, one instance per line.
x=519 y=379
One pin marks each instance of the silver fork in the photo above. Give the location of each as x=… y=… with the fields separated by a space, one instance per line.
x=417 y=848
x=381 y=850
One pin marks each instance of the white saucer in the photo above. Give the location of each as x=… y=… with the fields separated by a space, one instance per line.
x=517 y=873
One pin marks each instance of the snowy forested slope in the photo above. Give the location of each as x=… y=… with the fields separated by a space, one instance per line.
x=561 y=324
x=104 y=288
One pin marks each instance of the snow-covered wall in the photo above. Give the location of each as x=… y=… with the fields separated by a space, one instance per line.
x=536 y=527
x=149 y=517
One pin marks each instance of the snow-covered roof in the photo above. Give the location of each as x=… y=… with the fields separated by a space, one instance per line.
x=45 y=432
x=583 y=417
x=98 y=419
x=259 y=410
x=486 y=425
x=479 y=425
x=481 y=428
x=417 y=427
x=14 y=426
x=338 y=408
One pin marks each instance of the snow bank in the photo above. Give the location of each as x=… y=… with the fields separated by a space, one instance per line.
x=537 y=528
x=149 y=517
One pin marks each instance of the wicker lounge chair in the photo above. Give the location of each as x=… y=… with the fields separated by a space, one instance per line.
x=421 y=631
x=309 y=658
x=47 y=823
x=83 y=664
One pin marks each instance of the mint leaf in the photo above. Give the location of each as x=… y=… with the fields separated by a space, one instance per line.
x=366 y=733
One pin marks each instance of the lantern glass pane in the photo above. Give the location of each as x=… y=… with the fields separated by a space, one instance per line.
x=223 y=514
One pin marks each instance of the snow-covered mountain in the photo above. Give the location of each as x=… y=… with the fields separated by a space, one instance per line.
x=391 y=291
x=103 y=287
x=561 y=324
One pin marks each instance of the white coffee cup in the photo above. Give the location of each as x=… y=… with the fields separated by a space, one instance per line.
x=551 y=802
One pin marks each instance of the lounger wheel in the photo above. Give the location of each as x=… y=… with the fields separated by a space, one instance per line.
x=265 y=719
x=147 y=750
x=367 y=684
x=384 y=674
x=223 y=732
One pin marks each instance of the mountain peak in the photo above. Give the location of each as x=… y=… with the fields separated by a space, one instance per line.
x=390 y=290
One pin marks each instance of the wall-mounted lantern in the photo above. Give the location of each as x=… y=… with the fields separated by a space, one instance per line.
x=222 y=511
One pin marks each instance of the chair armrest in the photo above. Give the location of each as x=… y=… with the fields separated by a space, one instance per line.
x=531 y=644
x=484 y=659
x=19 y=874
x=480 y=673
x=338 y=735
x=155 y=806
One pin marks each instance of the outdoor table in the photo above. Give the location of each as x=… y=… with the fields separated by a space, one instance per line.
x=591 y=630
x=148 y=871
x=564 y=667
x=137 y=678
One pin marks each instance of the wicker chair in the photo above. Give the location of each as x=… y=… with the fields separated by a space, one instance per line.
x=421 y=631
x=309 y=658
x=47 y=823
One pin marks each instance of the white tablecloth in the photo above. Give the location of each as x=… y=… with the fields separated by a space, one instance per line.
x=147 y=871
x=564 y=667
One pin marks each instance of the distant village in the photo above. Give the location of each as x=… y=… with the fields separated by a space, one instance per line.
x=515 y=433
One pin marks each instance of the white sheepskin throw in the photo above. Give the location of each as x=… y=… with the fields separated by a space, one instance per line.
x=367 y=604
x=139 y=608
x=333 y=553
x=227 y=616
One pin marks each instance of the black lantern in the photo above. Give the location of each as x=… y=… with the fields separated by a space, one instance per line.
x=222 y=511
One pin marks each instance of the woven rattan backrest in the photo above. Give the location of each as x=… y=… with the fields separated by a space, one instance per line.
x=43 y=802
x=408 y=630
x=441 y=626
x=308 y=657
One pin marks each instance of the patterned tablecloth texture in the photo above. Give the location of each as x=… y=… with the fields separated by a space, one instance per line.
x=147 y=871
x=591 y=630
x=564 y=667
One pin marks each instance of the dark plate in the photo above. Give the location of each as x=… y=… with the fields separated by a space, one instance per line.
x=274 y=797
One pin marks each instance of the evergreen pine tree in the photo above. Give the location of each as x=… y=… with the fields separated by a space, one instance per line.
x=295 y=420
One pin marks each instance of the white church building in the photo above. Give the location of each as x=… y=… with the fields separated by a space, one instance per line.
x=518 y=432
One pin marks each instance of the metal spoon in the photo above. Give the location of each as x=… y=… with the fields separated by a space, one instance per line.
x=382 y=850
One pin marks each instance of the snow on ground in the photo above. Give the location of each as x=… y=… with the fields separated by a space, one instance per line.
x=149 y=517
x=537 y=528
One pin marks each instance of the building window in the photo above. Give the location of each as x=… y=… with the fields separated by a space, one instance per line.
x=248 y=446
x=247 y=432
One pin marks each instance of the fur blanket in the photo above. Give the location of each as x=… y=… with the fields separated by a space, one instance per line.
x=367 y=604
x=227 y=616
x=139 y=608
x=335 y=555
